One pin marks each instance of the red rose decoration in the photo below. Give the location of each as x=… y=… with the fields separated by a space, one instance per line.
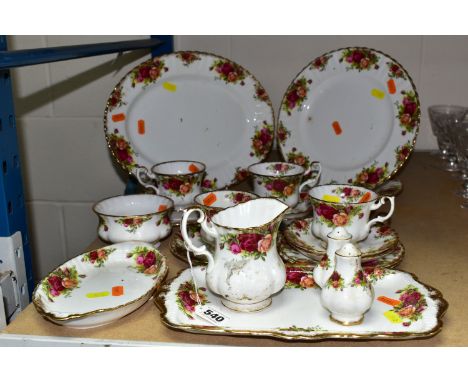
x=56 y=283
x=174 y=184
x=294 y=275
x=249 y=241
x=149 y=260
x=326 y=211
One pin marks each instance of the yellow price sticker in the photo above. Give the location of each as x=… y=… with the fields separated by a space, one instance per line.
x=331 y=198
x=169 y=86
x=377 y=93
x=393 y=317
x=97 y=294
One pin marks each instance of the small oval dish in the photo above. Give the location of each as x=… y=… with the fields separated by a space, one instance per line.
x=100 y=286
x=140 y=217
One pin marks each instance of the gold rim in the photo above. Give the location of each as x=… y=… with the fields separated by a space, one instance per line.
x=400 y=165
x=260 y=227
x=248 y=73
x=434 y=294
x=179 y=161
x=276 y=176
x=294 y=241
x=169 y=209
x=38 y=304
x=376 y=195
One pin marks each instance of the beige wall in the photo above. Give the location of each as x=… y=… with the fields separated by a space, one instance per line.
x=59 y=107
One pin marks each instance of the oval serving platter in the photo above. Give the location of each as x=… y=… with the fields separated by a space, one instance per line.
x=356 y=111
x=190 y=105
x=101 y=286
x=404 y=308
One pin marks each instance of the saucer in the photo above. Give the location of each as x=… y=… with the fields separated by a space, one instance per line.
x=298 y=233
x=295 y=257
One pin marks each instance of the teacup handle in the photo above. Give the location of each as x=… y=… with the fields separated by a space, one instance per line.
x=312 y=181
x=380 y=219
x=144 y=170
x=198 y=251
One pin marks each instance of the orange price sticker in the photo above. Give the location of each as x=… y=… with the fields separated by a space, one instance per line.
x=162 y=207
x=118 y=117
x=365 y=198
x=193 y=168
x=388 y=300
x=209 y=199
x=391 y=86
x=337 y=128
x=141 y=126
x=117 y=290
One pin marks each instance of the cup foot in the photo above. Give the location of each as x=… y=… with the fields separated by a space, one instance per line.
x=247 y=308
x=347 y=321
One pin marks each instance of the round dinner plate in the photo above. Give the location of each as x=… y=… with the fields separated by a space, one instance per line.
x=356 y=111
x=190 y=105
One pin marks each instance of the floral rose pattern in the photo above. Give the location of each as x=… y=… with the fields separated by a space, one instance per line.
x=301 y=226
x=148 y=72
x=132 y=224
x=296 y=95
x=376 y=273
x=252 y=244
x=408 y=112
x=283 y=133
x=229 y=72
x=260 y=93
x=241 y=174
x=61 y=282
x=412 y=304
x=164 y=219
x=262 y=140
x=395 y=71
x=371 y=176
x=180 y=185
x=384 y=230
x=402 y=152
x=299 y=278
x=279 y=168
x=239 y=197
x=348 y=194
x=102 y=223
x=334 y=215
x=186 y=298
x=188 y=57
x=146 y=260
x=121 y=150
x=320 y=63
x=209 y=184
x=115 y=99
x=299 y=158
x=324 y=262
x=359 y=279
x=335 y=281
x=280 y=187
x=97 y=257
x=360 y=59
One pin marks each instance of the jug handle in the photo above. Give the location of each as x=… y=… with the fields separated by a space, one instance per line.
x=149 y=175
x=380 y=219
x=198 y=251
x=312 y=181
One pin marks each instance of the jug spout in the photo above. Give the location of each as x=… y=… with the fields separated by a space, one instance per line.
x=252 y=214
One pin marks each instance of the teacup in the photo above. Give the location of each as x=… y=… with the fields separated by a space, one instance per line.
x=282 y=180
x=179 y=180
x=343 y=205
x=215 y=201
x=134 y=217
